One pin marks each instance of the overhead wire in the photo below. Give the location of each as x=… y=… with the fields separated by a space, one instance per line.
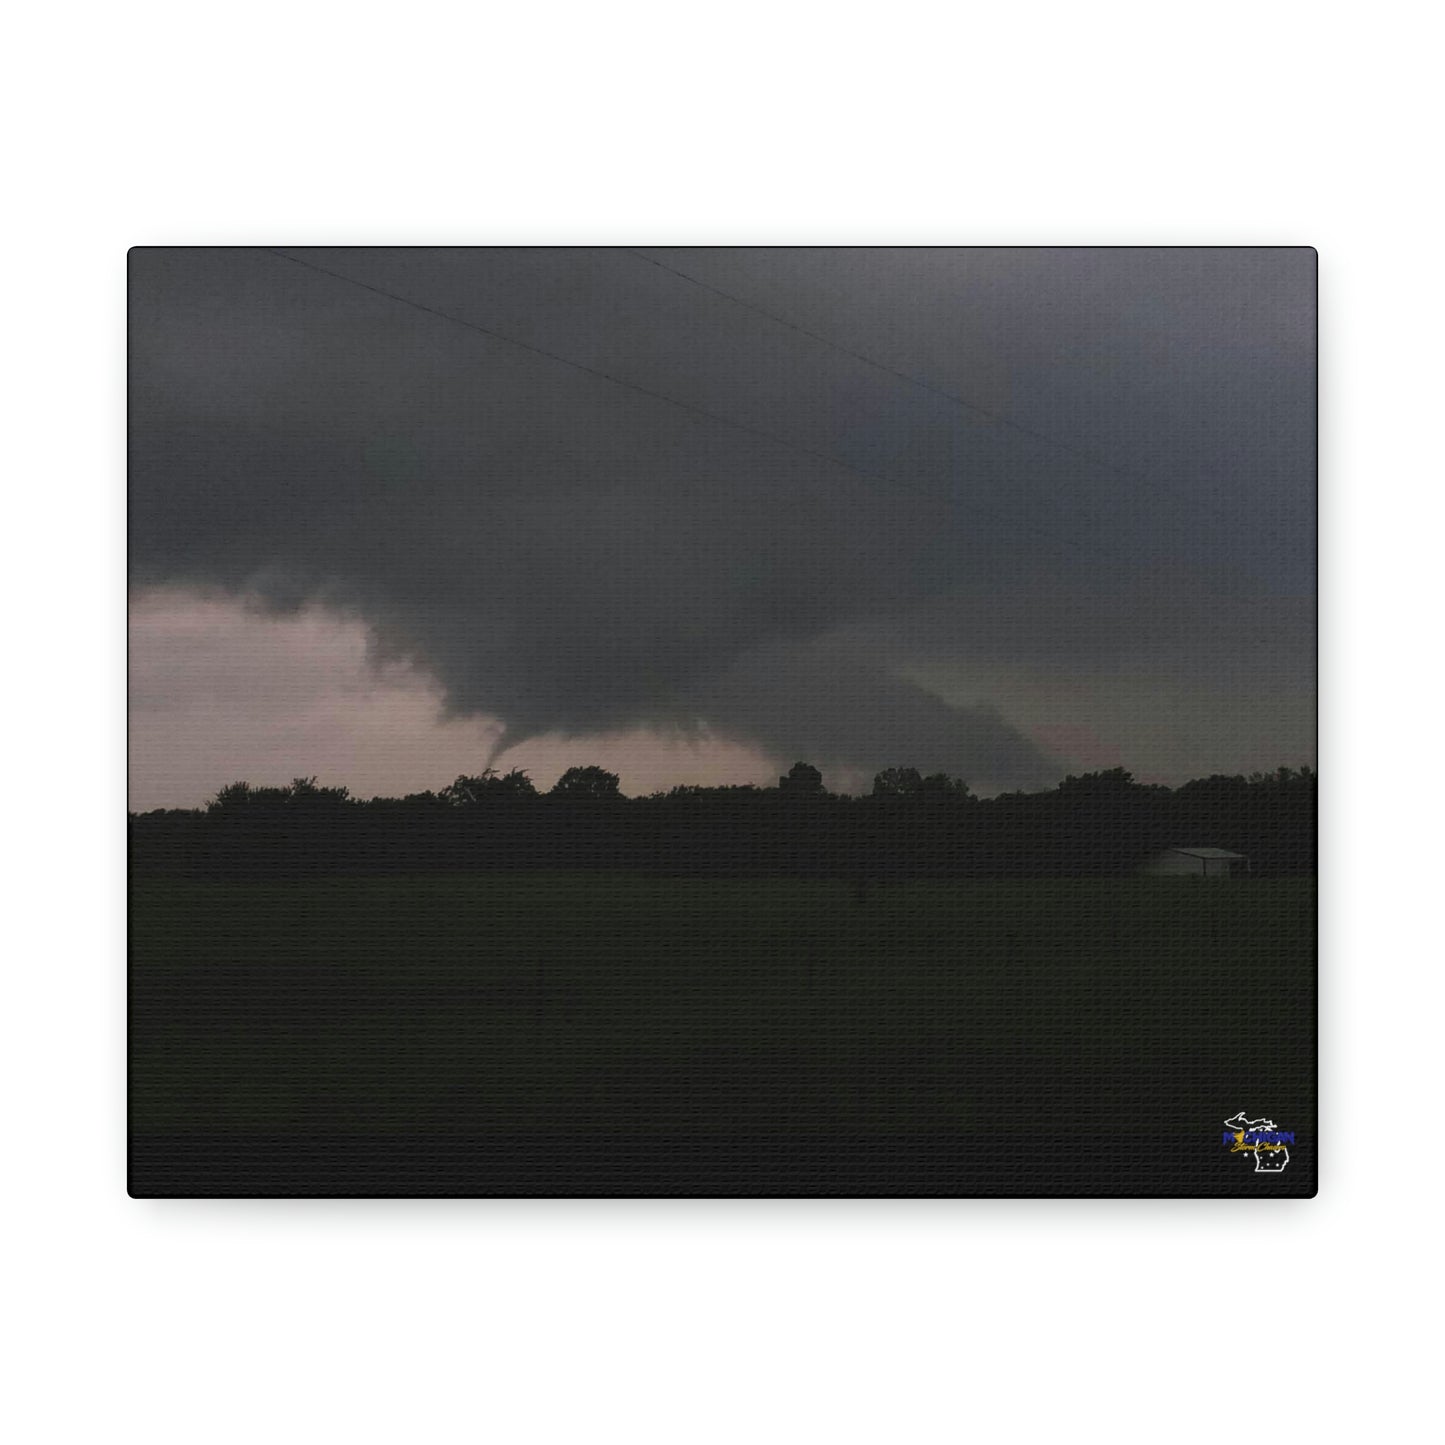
x=999 y=418
x=949 y=503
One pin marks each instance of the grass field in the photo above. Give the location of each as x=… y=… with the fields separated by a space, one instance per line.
x=635 y=1005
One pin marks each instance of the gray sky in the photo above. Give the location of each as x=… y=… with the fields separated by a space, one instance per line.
x=374 y=545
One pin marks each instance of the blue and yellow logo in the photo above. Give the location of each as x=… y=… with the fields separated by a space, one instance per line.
x=1262 y=1138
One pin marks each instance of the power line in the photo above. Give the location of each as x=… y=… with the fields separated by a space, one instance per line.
x=1068 y=448
x=746 y=427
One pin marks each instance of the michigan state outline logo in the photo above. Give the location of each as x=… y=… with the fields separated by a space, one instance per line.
x=1263 y=1139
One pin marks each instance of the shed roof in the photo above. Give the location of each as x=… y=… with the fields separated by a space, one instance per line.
x=1205 y=852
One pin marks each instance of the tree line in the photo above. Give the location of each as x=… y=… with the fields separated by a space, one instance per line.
x=909 y=825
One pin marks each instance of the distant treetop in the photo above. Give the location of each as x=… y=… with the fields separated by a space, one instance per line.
x=802 y=779
x=589 y=782
x=469 y=791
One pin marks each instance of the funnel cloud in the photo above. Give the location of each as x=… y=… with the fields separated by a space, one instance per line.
x=1010 y=494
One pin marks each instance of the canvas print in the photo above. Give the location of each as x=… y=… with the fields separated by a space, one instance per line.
x=726 y=721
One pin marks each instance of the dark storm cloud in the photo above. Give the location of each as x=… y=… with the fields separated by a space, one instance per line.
x=568 y=555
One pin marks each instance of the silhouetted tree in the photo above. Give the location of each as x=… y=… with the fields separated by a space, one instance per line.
x=1099 y=824
x=228 y=799
x=304 y=792
x=589 y=782
x=301 y=792
x=412 y=802
x=470 y=790
x=802 y=780
x=1112 y=780
x=897 y=782
x=237 y=797
x=940 y=785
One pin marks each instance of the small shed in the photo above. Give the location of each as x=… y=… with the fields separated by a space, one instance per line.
x=1197 y=863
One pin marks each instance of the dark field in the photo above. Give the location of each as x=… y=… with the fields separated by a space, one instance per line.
x=536 y=1033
